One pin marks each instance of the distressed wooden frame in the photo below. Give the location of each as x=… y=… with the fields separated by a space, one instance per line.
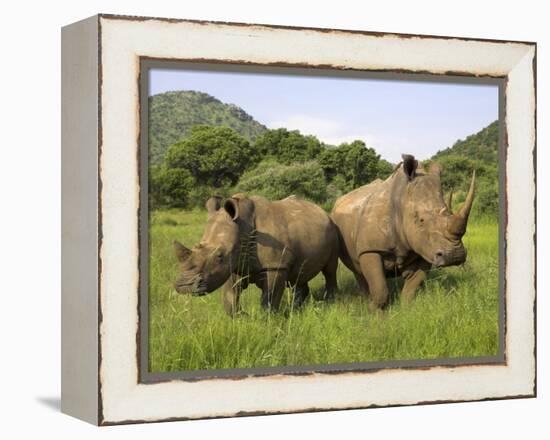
x=101 y=59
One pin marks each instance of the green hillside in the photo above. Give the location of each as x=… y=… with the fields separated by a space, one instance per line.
x=482 y=145
x=173 y=114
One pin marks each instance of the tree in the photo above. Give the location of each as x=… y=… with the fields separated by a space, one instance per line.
x=215 y=156
x=457 y=171
x=385 y=168
x=288 y=147
x=477 y=152
x=351 y=165
x=170 y=187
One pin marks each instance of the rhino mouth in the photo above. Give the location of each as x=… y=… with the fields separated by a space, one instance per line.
x=196 y=287
x=199 y=288
x=453 y=258
x=199 y=291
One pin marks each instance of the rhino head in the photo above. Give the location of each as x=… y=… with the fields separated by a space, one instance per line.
x=430 y=227
x=208 y=265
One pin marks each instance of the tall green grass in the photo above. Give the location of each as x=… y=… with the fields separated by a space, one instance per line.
x=454 y=315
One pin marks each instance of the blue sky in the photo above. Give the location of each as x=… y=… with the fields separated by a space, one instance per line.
x=394 y=117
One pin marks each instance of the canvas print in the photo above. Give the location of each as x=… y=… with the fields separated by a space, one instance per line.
x=302 y=219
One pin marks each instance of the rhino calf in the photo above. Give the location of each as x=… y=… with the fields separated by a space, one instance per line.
x=254 y=240
x=400 y=227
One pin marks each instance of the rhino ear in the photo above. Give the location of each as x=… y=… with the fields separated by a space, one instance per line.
x=410 y=164
x=182 y=253
x=231 y=206
x=213 y=204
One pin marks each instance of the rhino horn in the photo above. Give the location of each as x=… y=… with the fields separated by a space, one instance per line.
x=450 y=202
x=458 y=221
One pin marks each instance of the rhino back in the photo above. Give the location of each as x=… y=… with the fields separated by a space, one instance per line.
x=364 y=218
x=295 y=234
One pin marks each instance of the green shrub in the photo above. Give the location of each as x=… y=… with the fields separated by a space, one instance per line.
x=200 y=194
x=275 y=181
x=215 y=156
x=169 y=187
x=352 y=165
x=287 y=147
x=456 y=176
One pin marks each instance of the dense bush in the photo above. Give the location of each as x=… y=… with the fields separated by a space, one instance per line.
x=385 y=168
x=218 y=160
x=215 y=156
x=170 y=187
x=477 y=152
x=457 y=174
x=487 y=199
x=287 y=147
x=350 y=165
x=276 y=181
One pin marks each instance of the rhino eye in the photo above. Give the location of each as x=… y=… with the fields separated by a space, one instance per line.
x=418 y=219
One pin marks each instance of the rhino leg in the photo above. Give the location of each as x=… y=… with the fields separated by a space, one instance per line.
x=363 y=286
x=372 y=269
x=414 y=276
x=231 y=294
x=329 y=272
x=412 y=283
x=273 y=286
x=300 y=295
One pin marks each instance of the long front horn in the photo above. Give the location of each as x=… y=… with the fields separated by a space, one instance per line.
x=467 y=207
x=457 y=224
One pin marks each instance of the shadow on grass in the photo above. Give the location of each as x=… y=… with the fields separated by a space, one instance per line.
x=447 y=279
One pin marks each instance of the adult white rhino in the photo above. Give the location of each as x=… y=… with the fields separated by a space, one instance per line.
x=254 y=240
x=400 y=227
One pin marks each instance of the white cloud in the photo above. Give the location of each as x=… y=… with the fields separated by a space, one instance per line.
x=329 y=131
x=334 y=133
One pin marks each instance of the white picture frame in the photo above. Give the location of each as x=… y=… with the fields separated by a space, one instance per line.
x=101 y=59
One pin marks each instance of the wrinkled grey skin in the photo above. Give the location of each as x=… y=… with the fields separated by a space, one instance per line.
x=400 y=227
x=253 y=240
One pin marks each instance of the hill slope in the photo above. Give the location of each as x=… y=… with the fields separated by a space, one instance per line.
x=482 y=145
x=172 y=114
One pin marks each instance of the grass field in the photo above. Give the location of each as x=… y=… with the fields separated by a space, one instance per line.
x=454 y=315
